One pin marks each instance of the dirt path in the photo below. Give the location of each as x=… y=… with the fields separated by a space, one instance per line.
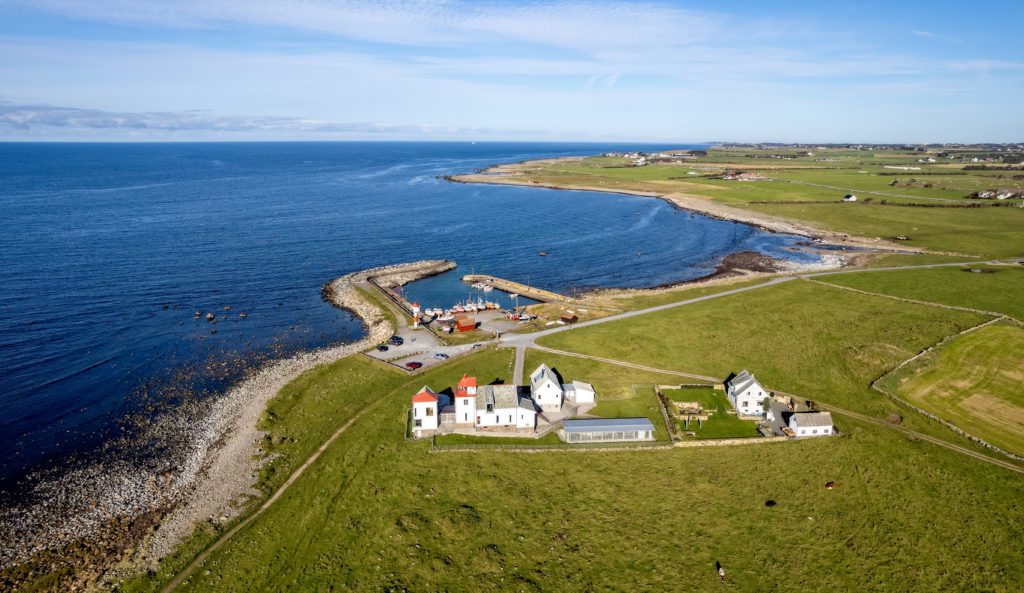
x=295 y=475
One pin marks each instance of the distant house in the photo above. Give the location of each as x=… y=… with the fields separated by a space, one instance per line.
x=607 y=430
x=545 y=388
x=569 y=317
x=579 y=392
x=849 y=198
x=810 y=424
x=745 y=394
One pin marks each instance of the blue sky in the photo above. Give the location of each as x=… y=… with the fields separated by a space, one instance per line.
x=865 y=71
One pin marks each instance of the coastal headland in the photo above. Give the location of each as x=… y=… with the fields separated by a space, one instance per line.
x=522 y=174
x=111 y=531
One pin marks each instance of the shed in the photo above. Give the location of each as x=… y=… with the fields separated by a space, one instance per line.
x=849 y=198
x=465 y=324
x=607 y=430
x=569 y=317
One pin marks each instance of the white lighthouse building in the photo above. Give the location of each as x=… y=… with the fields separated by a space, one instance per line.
x=465 y=401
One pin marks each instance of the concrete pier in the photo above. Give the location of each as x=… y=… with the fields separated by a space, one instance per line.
x=537 y=294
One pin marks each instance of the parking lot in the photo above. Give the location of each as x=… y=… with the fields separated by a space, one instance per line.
x=419 y=346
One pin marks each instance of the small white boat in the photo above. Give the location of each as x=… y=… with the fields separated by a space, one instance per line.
x=513 y=295
x=487 y=288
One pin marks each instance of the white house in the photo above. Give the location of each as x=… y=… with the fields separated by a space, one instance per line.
x=465 y=401
x=849 y=198
x=811 y=424
x=746 y=394
x=424 y=411
x=579 y=392
x=545 y=388
x=501 y=406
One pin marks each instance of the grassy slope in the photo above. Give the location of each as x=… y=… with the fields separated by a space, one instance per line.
x=1001 y=292
x=986 y=400
x=378 y=513
x=813 y=340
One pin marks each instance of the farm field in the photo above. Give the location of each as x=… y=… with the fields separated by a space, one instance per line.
x=986 y=400
x=720 y=424
x=379 y=513
x=998 y=288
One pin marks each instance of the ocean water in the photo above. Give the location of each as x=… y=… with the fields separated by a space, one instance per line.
x=108 y=250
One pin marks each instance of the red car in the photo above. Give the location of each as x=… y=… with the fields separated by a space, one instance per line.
x=412 y=366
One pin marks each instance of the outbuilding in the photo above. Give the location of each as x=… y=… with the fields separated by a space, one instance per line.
x=607 y=430
x=579 y=392
x=811 y=424
x=849 y=198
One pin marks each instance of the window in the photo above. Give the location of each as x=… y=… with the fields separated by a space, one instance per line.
x=419 y=423
x=415 y=411
x=465 y=417
x=815 y=431
x=430 y=411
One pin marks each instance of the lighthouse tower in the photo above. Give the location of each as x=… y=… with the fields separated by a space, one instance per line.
x=465 y=401
x=415 y=315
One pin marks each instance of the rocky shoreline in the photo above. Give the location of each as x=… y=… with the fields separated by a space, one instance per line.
x=106 y=520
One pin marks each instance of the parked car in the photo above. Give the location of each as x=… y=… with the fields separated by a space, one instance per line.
x=441 y=356
x=396 y=341
x=413 y=365
x=382 y=348
x=475 y=346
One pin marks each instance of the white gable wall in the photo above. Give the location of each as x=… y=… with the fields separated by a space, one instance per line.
x=547 y=394
x=424 y=415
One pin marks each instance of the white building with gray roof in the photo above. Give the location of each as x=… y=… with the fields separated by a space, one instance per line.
x=811 y=424
x=746 y=394
x=499 y=406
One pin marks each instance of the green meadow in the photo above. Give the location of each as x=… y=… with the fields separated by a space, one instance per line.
x=813 y=340
x=377 y=512
x=999 y=289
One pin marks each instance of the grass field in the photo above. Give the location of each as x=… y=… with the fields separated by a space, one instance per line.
x=813 y=340
x=720 y=424
x=1001 y=291
x=379 y=513
x=986 y=400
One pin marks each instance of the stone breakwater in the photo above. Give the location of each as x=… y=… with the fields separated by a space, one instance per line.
x=215 y=463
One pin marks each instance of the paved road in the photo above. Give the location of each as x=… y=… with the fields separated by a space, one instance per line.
x=520 y=340
x=529 y=339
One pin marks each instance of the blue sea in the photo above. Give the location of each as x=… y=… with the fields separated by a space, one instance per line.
x=108 y=250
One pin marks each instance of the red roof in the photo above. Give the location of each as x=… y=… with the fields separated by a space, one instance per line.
x=467 y=381
x=424 y=396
